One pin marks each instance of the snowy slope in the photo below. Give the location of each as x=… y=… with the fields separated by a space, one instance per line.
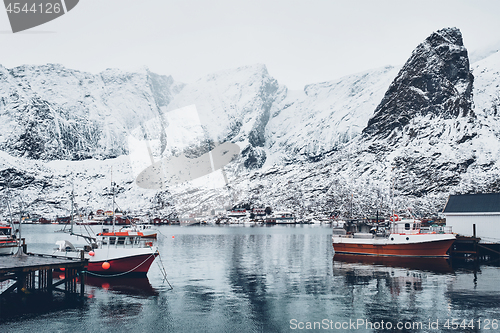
x=51 y=112
x=234 y=105
x=308 y=124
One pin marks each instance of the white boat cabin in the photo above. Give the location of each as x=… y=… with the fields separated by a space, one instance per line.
x=406 y=226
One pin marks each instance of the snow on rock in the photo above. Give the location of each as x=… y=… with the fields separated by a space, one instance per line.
x=51 y=112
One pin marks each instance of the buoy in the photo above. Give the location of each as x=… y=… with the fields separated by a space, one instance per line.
x=91 y=253
x=105 y=286
x=105 y=265
x=173 y=236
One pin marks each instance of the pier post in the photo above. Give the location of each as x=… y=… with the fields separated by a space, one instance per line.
x=49 y=280
x=82 y=283
x=476 y=257
x=21 y=282
x=24 y=246
x=41 y=280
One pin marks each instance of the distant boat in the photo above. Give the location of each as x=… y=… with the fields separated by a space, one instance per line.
x=145 y=229
x=188 y=220
x=405 y=238
x=238 y=212
x=280 y=218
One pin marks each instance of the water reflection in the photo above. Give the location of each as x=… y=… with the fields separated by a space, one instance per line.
x=128 y=286
x=233 y=279
x=246 y=277
x=436 y=265
x=136 y=286
x=392 y=289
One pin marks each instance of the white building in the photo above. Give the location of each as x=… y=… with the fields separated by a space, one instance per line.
x=483 y=210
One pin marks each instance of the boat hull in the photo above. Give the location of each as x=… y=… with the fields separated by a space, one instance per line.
x=7 y=247
x=131 y=265
x=434 y=248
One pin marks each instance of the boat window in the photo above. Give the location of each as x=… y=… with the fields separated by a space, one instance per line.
x=4 y=231
x=407 y=226
x=127 y=241
x=112 y=240
x=121 y=240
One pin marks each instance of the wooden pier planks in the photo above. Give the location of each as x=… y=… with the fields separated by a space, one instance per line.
x=35 y=262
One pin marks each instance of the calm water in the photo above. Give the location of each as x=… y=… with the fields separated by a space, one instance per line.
x=270 y=279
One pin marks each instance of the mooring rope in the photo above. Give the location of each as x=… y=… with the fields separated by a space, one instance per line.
x=163 y=271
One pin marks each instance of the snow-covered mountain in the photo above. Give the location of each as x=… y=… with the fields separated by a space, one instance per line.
x=322 y=118
x=416 y=133
x=50 y=112
x=425 y=140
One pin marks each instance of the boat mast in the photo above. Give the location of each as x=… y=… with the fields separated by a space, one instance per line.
x=113 y=204
x=11 y=222
x=72 y=208
x=392 y=194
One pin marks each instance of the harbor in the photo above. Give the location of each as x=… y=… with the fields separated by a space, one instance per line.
x=249 y=166
x=258 y=279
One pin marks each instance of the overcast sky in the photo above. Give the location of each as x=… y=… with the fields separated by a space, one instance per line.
x=300 y=42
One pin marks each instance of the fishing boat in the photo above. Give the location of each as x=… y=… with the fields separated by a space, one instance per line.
x=280 y=218
x=404 y=238
x=8 y=242
x=111 y=253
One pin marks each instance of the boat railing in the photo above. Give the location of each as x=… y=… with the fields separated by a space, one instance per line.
x=437 y=230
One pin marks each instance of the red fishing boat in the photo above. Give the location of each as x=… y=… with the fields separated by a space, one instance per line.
x=114 y=253
x=404 y=238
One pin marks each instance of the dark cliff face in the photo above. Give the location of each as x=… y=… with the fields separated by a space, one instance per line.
x=435 y=81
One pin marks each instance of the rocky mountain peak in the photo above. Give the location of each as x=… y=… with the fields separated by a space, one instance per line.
x=435 y=82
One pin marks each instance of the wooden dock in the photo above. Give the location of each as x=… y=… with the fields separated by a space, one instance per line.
x=470 y=248
x=32 y=273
